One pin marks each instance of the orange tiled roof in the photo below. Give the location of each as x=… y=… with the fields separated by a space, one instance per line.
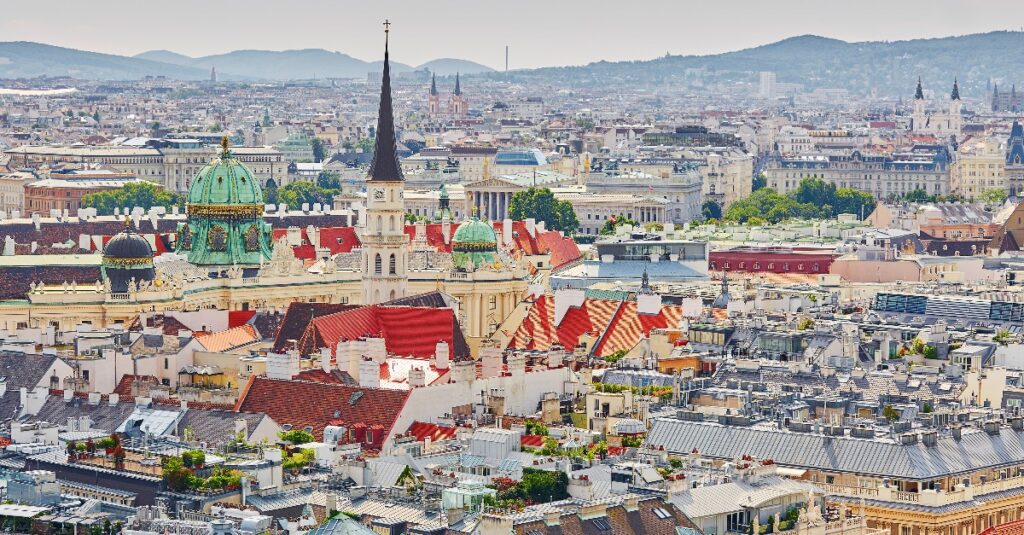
x=227 y=340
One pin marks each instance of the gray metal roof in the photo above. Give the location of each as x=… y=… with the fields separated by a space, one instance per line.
x=975 y=451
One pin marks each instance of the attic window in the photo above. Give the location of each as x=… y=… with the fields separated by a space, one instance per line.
x=354 y=398
x=602 y=524
x=661 y=513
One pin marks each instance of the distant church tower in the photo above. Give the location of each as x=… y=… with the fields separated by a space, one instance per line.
x=434 y=100
x=955 y=120
x=919 y=120
x=459 y=103
x=213 y=74
x=385 y=252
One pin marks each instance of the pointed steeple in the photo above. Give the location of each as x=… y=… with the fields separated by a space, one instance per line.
x=385 y=165
x=956 y=91
x=458 y=88
x=919 y=94
x=433 y=85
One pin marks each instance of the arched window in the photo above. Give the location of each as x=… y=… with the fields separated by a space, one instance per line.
x=391 y=264
x=376 y=264
x=393 y=297
x=392 y=223
x=380 y=224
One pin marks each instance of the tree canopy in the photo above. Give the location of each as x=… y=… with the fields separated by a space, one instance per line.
x=319 y=152
x=711 y=210
x=133 y=194
x=297 y=193
x=813 y=198
x=541 y=204
x=993 y=196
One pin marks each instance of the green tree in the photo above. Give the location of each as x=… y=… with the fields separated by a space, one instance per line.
x=993 y=196
x=296 y=436
x=711 y=210
x=133 y=194
x=96 y=117
x=815 y=191
x=329 y=180
x=297 y=193
x=918 y=196
x=366 y=144
x=541 y=204
x=852 y=201
x=318 y=150
x=890 y=414
x=760 y=181
x=270 y=192
x=616 y=221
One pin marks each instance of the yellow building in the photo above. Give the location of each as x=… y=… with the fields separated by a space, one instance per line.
x=980 y=166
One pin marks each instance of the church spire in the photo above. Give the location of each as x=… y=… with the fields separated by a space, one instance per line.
x=919 y=94
x=458 y=88
x=956 y=91
x=433 y=85
x=385 y=165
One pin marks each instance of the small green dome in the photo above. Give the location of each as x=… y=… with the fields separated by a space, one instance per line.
x=225 y=181
x=474 y=241
x=474 y=235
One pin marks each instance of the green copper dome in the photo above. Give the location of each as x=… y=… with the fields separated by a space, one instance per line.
x=474 y=240
x=225 y=216
x=225 y=180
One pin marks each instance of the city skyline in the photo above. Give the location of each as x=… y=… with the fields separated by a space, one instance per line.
x=423 y=33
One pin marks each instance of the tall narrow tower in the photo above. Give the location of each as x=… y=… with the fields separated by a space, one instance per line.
x=918 y=120
x=434 y=101
x=955 y=120
x=385 y=251
x=459 y=104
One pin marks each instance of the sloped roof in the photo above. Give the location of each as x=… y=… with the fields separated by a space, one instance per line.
x=228 y=339
x=22 y=370
x=323 y=403
x=297 y=319
x=975 y=451
x=407 y=331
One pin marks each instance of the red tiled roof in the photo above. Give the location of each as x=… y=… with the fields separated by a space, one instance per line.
x=239 y=317
x=422 y=430
x=280 y=399
x=531 y=441
x=229 y=339
x=563 y=250
x=616 y=323
x=628 y=326
x=335 y=239
x=297 y=317
x=538 y=330
x=407 y=331
x=434 y=235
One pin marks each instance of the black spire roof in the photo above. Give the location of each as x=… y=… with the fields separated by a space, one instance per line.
x=919 y=95
x=458 y=88
x=956 y=91
x=385 y=165
x=433 y=85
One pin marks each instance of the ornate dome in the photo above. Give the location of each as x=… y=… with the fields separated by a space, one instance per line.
x=474 y=235
x=225 y=216
x=127 y=257
x=224 y=181
x=474 y=241
x=128 y=245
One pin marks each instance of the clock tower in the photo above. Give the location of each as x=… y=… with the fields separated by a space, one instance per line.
x=385 y=244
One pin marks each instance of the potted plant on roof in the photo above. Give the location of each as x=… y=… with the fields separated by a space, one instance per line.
x=72 y=450
x=119 y=457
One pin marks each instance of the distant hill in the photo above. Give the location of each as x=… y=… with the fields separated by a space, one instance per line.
x=451 y=66
x=306 y=63
x=274 y=65
x=21 y=59
x=891 y=67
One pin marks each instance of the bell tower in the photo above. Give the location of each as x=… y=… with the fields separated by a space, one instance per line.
x=459 y=103
x=434 y=100
x=385 y=244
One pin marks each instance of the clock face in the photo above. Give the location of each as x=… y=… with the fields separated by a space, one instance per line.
x=378 y=194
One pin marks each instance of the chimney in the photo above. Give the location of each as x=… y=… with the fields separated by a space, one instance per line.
x=531 y=227
x=648 y=304
x=417 y=377
x=556 y=356
x=929 y=438
x=376 y=350
x=442 y=355
x=516 y=364
x=631 y=503
x=506 y=231
x=113 y=399
x=369 y=374
x=1017 y=423
x=552 y=518
x=490 y=358
x=325 y=359
x=68 y=395
x=957 y=431
x=991 y=427
x=94 y=398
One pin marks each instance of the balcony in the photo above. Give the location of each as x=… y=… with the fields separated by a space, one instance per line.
x=926 y=498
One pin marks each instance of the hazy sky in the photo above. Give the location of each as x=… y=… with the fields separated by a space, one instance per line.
x=539 y=32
